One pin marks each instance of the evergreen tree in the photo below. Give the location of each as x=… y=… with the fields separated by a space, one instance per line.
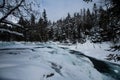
x=109 y=20
x=40 y=28
x=45 y=25
x=32 y=20
x=89 y=24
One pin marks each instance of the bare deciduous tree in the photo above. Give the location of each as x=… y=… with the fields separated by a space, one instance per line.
x=16 y=9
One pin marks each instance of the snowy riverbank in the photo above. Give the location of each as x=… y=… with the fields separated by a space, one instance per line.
x=96 y=50
x=46 y=61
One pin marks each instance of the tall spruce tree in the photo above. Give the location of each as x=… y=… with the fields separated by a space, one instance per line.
x=44 y=26
x=32 y=19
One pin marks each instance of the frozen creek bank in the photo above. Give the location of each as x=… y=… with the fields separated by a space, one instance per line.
x=40 y=61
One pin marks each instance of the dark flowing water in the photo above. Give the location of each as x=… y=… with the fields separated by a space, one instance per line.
x=104 y=67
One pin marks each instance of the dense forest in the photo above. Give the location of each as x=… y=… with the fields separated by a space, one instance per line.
x=101 y=24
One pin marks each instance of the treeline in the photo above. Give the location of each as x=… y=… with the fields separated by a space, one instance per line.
x=97 y=25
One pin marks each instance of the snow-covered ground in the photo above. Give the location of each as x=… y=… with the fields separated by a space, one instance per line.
x=46 y=61
x=96 y=50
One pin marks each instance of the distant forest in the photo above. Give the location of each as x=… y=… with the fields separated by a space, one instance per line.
x=100 y=24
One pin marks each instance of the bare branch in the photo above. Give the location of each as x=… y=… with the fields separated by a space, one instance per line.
x=11 y=32
x=16 y=7
x=11 y=23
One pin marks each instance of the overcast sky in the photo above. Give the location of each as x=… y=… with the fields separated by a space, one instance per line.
x=57 y=9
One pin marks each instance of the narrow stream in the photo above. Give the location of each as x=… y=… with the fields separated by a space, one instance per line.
x=104 y=67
